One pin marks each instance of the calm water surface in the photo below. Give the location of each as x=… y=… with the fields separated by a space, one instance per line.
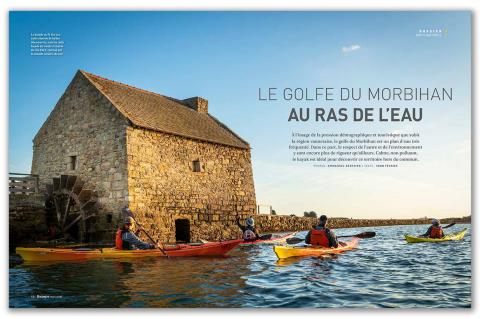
x=383 y=272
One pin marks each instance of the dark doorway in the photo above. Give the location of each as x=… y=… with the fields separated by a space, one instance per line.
x=182 y=230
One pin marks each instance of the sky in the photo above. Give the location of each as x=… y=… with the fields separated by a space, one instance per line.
x=226 y=57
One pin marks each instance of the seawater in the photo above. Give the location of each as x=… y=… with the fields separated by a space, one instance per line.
x=384 y=271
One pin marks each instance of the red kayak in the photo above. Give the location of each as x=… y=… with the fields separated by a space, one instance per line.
x=202 y=249
x=182 y=250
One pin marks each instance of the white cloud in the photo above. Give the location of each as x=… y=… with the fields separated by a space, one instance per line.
x=350 y=48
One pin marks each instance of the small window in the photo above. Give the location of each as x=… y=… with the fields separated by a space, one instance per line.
x=196 y=166
x=73 y=163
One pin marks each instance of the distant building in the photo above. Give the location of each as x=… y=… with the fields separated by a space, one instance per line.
x=186 y=175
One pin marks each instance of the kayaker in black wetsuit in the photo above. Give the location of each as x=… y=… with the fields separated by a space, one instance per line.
x=434 y=231
x=126 y=239
x=321 y=235
x=249 y=231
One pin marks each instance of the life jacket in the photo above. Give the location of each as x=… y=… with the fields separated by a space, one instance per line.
x=318 y=237
x=436 y=232
x=120 y=244
x=249 y=234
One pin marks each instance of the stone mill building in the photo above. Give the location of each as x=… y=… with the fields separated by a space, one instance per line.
x=184 y=174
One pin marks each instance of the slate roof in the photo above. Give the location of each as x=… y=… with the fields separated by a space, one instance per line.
x=164 y=114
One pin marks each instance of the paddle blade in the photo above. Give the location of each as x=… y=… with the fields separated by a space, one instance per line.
x=449 y=225
x=266 y=237
x=294 y=240
x=368 y=234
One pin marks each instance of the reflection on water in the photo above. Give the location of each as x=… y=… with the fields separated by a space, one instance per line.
x=383 y=272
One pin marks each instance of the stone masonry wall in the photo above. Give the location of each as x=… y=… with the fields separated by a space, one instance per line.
x=279 y=223
x=27 y=220
x=163 y=186
x=86 y=125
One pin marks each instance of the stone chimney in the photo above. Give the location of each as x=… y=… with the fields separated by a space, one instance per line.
x=197 y=103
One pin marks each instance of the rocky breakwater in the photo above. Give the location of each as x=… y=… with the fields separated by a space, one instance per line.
x=279 y=223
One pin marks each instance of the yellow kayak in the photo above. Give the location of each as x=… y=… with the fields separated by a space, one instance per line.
x=455 y=236
x=291 y=251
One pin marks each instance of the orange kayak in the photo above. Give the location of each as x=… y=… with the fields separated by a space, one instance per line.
x=294 y=251
x=181 y=250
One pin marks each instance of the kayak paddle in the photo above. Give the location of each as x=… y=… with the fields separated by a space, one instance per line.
x=130 y=213
x=368 y=234
x=449 y=225
x=265 y=237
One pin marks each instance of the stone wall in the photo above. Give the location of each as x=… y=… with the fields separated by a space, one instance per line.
x=279 y=223
x=27 y=220
x=163 y=185
x=86 y=125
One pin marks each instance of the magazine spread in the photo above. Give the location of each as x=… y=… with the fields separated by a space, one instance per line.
x=294 y=159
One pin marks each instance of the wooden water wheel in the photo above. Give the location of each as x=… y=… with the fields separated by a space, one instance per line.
x=73 y=205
